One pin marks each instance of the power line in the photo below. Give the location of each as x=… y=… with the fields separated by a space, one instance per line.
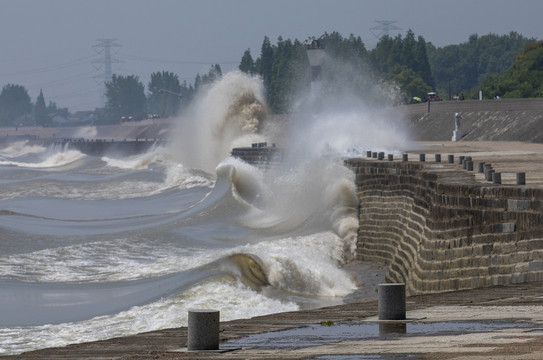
x=385 y=27
x=171 y=61
x=71 y=63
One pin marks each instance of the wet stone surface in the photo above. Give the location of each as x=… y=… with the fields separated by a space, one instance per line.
x=315 y=334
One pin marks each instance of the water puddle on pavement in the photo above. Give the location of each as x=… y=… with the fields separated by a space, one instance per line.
x=316 y=334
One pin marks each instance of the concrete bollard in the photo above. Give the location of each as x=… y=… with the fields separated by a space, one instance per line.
x=497 y=178
x=521 y=178
x=405 y=157
x=391 y=301
x=481 y=167
x=203 y=329
x=469 y=165
x=422 y=157
x=368 y=154
x=438 y=158
x=488 y=174
x=450 y=159
x=390 y=157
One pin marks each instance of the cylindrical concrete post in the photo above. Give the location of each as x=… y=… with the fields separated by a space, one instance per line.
x=405 y=157
x=450 y=159
x=438 y=158
x=390 y=157
x=481 y=167
x=497 y=178
x=422 y=157
x=521 y=178
x=469 y=165
x=381 y=156
x=374 y=155
x=488 y=174
x=391 y=301
x=368 y=154
x=203 y=329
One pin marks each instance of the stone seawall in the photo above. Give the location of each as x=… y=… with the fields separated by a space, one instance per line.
x=260 y=155
x=439 y=230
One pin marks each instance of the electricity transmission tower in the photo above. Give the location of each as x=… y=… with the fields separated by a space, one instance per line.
x=384 y=28
x=105 y=47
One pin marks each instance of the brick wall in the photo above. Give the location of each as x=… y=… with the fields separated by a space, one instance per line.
x=441 y=231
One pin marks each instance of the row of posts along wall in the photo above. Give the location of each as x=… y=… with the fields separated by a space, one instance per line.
x=440 y=230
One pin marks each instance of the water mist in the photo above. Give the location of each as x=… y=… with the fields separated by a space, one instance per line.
x=225 y=114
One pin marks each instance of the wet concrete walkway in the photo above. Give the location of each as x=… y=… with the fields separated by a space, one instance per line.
x=506 y=323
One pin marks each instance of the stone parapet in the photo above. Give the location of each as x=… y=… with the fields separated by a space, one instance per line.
x=439 y=230
x=259 y=155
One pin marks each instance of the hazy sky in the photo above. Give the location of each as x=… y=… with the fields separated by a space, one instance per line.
x=52 y=44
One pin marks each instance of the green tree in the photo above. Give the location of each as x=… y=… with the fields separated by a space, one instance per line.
x=524 y=79
x=41 y=114
x=247 y=64
x=462 y=67
x=214 y=74
x=125 y=98
x=187 y=94
x=14 y=103
x=52 y=108
x=162 y=98
x=410 y=83
x=265 y=63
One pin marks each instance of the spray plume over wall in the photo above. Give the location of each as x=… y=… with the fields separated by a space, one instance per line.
x=225 y=114
x=347 y=110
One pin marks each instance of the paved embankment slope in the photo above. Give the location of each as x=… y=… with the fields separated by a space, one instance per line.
x=496 y=120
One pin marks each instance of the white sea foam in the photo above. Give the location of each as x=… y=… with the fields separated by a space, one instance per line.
x=166 y=313
x=20 y=148
x=52 y=159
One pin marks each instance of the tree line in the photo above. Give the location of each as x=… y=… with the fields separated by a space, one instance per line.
x=506 y=66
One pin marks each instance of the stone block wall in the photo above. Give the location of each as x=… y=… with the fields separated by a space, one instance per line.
x=262 y=156
x=439 y=230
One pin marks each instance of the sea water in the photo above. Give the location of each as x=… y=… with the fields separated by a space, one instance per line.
x=99 y=247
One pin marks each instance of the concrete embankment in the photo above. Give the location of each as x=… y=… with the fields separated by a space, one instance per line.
x=145 y=129
x=496 y=120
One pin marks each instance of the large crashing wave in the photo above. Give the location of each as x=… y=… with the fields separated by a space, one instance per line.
x=224 y=115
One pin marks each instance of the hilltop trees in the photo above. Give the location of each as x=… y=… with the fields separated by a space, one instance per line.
x=41 y=113
x=162 y=99
x=460 y=68
x=348 y=68
x=406 y=66
x=14 y=104
x=524 y=79
x=247 y=64
x=125 y=98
